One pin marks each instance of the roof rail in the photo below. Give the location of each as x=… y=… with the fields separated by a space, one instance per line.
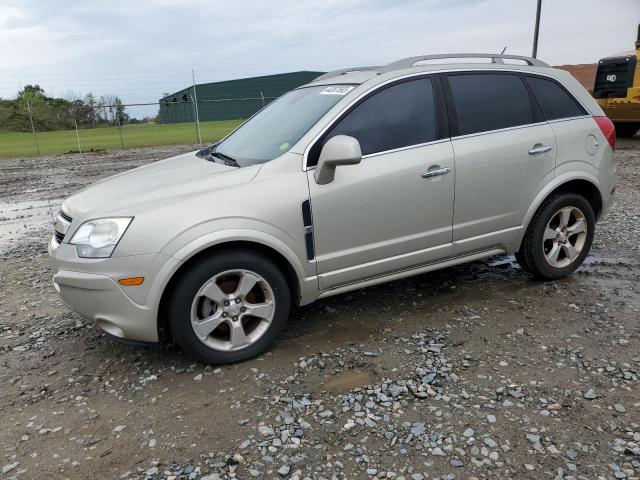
x=411 y=61
x=337 y=73
x=495 y=58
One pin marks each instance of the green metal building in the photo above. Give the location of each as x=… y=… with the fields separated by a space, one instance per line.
x=231 y=99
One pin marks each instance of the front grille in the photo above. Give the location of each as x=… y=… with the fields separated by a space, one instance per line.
x=61 y=225
x=614 y=77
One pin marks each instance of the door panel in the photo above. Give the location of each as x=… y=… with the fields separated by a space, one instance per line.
x=496 y=181
x=382 y=215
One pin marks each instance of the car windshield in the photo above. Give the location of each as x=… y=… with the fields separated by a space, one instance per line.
x=278 y=126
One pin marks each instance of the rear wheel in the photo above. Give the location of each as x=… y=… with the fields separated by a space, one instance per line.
x=559 y=237
x=626 y=129
x=229 y=307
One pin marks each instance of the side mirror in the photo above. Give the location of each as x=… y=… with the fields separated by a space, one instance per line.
x=339 y=150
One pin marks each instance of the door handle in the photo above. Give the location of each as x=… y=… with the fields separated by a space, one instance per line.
x=541 y=149
x=436 y=173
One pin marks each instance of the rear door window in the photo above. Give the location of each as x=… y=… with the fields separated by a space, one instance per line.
x=398 y=116
x=490 y=101
x=554 y=100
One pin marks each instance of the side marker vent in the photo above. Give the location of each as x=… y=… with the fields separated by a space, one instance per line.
x=307 y=221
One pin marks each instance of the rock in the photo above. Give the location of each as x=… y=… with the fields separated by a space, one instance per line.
x=490 y=442
x=197 y=378
x=438 y=452
x=9 y=467
x=396 y=390
x=618 y=407
x=283 y=471
x=553 y=450
x=532 y=438
x=590 y=394
x=153 y=471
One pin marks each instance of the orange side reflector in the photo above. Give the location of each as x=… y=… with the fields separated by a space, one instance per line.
x=131 y=282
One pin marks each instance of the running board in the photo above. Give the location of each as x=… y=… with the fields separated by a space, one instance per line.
x=411 y=272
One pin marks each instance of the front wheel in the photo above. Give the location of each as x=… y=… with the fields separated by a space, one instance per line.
x=559 y=237
x=228 y=307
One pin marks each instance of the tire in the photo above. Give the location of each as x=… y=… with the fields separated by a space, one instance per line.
x=238 y=335
x=557 y=252
x=521 y=261
x=626 y=129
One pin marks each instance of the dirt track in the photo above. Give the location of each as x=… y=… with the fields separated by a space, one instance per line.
x=474 y=371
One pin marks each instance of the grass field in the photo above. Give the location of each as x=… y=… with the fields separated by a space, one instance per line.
x=19 y=144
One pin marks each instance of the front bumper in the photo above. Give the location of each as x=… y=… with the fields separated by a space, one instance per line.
x=101 y=299
x=90 y=287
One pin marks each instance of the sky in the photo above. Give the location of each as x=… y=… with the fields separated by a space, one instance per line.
x=139 y=49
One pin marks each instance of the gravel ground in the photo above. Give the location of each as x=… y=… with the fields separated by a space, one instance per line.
x=470 y=372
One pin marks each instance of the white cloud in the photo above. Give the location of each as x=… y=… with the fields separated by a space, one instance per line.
x=139 y=49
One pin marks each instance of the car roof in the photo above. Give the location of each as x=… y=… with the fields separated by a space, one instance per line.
x=360 y=75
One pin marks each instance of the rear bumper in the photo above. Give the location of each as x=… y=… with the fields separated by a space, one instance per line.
x=607 y=204
x=100 y=299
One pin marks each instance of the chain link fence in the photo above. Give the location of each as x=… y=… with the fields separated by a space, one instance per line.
x=38 y=130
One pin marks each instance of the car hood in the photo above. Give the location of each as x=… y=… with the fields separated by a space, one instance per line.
x=154 y=184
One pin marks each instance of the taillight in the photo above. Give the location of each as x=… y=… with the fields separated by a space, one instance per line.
x=608 y=130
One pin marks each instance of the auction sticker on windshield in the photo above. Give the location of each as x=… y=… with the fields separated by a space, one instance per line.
x=337 y=90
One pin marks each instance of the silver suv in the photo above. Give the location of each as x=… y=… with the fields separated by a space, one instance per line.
x=362 y=176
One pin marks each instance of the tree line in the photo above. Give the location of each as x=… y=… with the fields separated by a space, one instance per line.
x=51 y=113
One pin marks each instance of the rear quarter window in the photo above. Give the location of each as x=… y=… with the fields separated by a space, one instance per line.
x=490 y=101
x=554 y=100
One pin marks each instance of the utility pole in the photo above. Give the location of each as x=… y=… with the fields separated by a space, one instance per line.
x=537 y=29
x=33 y=128
x=75 y=122
x=195 y=102
x=119 y=126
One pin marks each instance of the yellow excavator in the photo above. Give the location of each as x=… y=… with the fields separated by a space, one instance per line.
x=617 y=89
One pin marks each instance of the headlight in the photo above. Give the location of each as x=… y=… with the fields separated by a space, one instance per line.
x=98 y=238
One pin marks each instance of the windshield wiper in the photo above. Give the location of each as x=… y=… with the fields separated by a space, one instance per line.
x=230 y=161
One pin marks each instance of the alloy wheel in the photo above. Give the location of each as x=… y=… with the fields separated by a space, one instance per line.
x=232 y=310
x=564 y=237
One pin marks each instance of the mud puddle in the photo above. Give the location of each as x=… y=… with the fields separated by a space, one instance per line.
x=593 y=260
x=345 y=381
x=18 y=219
